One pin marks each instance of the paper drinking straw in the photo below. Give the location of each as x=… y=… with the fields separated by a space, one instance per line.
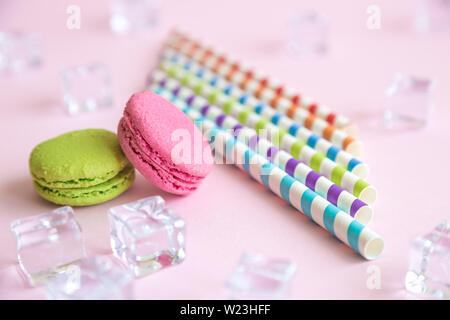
x=274 y=120
x=354 y=234
x=362 y=239
x=354 y=147
x=273 y=92
x=314 y=181
x=288 y=143
x=319 y=126
x=345 y=179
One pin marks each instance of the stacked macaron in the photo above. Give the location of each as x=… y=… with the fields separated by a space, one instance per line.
x=81 y=168
x=88 y=167
x=151 y=132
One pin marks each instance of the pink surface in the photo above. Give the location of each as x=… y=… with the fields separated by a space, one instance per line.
x=151 y=131
x=231 y=214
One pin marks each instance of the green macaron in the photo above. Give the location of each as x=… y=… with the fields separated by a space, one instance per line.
x=81 y=168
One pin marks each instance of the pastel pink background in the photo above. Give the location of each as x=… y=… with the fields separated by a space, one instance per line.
x=231 y=214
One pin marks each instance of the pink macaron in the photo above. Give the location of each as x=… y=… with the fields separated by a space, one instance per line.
x=163 y=144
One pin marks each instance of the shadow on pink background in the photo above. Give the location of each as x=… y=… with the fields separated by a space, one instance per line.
x=231 y=214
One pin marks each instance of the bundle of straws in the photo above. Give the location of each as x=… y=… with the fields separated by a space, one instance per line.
x=297 y=148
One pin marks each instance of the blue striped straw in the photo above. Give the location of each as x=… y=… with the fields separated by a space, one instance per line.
x=314 y=181
x=359 y=237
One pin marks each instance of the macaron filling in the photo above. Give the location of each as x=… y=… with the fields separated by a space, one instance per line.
x=166 y=170
x=104 y=188
x=75 y=183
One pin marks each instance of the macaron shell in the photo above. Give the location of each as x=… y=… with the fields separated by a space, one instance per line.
x=154 y=171
x=80 y=168
x=150 y=130
x=160 y=123
x=77 y=159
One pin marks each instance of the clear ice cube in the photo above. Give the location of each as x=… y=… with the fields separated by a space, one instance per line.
x=86 y=88
x=93 y=278
x=308 y=34
x=408 y=102
x=260 y=277
x=134 y=16
x=47 y=244
x=429 y=264
x=19 y=51
x=146 y=235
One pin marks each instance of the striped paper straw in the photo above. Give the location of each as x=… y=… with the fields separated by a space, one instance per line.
x=297 y=149
x=284 y=125
x=352 y=146
x=319 y=126
x=314 y=181
x=357 y=236
x=273 y=92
